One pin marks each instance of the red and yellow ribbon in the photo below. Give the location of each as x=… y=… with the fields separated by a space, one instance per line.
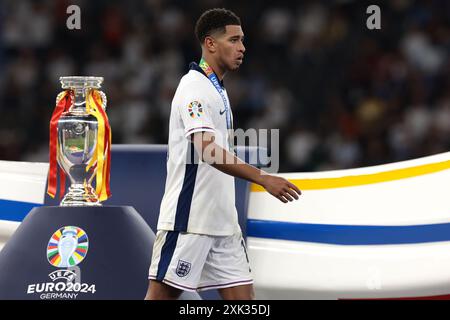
x=62 y=105
x=102 y=154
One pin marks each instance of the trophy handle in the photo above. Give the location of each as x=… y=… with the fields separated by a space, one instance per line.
x=104 y=101
x=59 y=96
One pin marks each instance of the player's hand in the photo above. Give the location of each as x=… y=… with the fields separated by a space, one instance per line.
x=280 y=188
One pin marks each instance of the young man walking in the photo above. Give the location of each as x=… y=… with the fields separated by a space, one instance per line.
x=199 y=243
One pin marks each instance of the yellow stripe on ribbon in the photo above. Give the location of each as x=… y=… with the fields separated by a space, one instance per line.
x=90 y=111
x=103 y=195
x=99 y=154
x=352 y=181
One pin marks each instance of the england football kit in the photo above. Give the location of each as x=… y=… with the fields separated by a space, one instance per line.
x=199 y=244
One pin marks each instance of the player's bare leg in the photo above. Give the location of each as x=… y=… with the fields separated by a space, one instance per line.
x=244 y=292
x=161 y=291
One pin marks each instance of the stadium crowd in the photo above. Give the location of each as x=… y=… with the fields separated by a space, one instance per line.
x=342 y=95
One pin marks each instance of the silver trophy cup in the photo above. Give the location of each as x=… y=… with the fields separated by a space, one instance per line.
x=77 y=138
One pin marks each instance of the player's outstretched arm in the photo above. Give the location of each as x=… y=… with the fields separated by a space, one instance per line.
x=228 y=163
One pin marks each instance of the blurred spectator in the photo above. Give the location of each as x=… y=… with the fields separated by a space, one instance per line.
x=342 y=95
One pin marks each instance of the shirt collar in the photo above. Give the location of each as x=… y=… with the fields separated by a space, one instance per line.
x=196 y=67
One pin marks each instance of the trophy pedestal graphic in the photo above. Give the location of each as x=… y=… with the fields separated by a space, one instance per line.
x=79 y=250
x=78 y=253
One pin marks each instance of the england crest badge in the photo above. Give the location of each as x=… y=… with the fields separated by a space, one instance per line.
x=183 y=268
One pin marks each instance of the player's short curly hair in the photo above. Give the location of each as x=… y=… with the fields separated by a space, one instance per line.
x=214 y=20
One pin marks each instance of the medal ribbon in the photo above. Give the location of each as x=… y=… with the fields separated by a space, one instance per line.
x=215 y=81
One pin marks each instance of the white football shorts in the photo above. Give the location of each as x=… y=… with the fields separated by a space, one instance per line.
x=196 y=262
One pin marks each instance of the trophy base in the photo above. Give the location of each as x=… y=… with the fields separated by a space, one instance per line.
x=80 y=195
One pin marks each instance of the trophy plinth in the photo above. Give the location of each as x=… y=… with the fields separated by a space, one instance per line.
x=70 y=253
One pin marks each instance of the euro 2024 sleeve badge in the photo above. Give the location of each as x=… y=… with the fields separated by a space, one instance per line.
x=195 y=109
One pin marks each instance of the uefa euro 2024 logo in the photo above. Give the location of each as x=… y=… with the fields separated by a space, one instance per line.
x=67 y=247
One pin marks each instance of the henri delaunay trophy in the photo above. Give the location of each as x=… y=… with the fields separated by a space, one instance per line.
x=80 y=143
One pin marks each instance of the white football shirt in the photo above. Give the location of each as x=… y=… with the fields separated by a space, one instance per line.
x=198 y=198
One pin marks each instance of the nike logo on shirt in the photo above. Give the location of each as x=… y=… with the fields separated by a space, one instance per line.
x=222 y=112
